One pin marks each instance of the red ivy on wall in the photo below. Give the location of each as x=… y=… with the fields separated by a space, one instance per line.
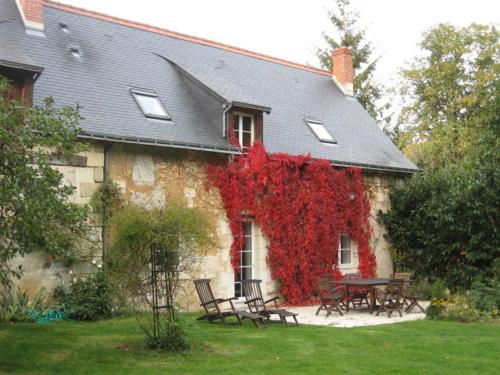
x=302 y=206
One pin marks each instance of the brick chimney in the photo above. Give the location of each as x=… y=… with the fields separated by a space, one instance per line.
x=343 y=71
x=32 y=14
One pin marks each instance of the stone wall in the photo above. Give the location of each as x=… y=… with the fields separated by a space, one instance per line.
x=40 y=270
x=378 y=185
x=154 y=176
x=378 y=191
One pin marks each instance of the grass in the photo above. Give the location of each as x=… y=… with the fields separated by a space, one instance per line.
x=115 y=347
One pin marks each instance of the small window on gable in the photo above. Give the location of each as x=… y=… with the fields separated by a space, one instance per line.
x=244 y=130
x=320 y=131
x=150 y=105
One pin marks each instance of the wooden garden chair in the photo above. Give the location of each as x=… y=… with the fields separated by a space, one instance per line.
x=410 y=299
x=331 y=298
x=212 y=305
x=257 y=305
x=357 y=294
x=213 y=310
x=390 y=299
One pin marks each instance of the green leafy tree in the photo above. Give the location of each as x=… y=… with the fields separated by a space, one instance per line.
x=348 y=34
x=444 y=223
x=445 y=91
x=35 y=213
x=173 y=240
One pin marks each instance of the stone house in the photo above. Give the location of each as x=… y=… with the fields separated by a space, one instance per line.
x=157 y=106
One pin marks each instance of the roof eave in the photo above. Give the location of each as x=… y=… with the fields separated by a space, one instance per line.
x=374 y=167
x=252 y=106
x=21 y=66
x=224 y=150
x=158 y=143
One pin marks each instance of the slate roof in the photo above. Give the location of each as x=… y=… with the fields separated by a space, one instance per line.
x=193 y=78
x=12 y=57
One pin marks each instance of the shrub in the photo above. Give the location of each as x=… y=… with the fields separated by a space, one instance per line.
x=88 y=298
x=458 y=307
x=462 y=312
x=443 y=223
x=427 y=290
x=172 y=338
x=436 y=309
x=177 y=237
x=16 y=306
x=485 y=297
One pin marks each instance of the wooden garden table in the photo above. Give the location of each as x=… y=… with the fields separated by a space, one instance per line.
x=368 y=283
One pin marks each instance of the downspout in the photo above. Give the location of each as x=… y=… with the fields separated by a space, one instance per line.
x=224 y=113
x=104 y=233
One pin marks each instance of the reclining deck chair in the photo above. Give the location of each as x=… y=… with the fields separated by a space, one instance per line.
x=213 y=310
x=257 y=305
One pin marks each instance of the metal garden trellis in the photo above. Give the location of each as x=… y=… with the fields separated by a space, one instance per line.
x=164 y=266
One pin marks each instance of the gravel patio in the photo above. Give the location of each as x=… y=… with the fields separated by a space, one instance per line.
x=354 y=318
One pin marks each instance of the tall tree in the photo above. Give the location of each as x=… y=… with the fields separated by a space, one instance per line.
x=445 y=91
x=444 y=223
x=35 y=213
x=349 y=34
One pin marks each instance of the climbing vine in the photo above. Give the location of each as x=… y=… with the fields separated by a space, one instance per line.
x=302 y=205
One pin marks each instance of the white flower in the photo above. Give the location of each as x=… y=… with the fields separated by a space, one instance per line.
x=99 y=266
x=70 y=272
x=93 y=261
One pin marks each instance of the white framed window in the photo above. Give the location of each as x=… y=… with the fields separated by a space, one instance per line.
x=244 y=129
x=150 y=104
x=346 y=251
x=245 y=269
x=320 y=131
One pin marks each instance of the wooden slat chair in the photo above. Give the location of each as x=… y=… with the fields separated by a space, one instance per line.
x=390 y=298
x=331 y=298
x=357 y=294
x=257 y=305
x=410 y=300
x=211 y=304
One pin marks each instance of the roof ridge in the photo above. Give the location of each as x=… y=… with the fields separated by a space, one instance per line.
x=175 y=34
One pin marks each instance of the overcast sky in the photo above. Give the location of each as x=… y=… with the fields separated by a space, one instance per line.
x=292 y=29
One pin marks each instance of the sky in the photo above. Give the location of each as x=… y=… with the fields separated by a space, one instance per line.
x=293 y=29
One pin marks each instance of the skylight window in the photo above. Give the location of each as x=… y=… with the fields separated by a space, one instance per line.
x=320 y=131
x=150 y=105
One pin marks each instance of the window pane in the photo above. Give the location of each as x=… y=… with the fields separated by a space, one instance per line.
x=150 y=105
x=246 y=258
x=321 y=132
x=247 y=124
x=247 y=227
x=345 y=242
x=248 y=243
x=247 y=139
x=246 y=273
x=237 y=290
x=345 y=257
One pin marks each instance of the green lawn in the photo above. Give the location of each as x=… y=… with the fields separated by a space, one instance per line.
x=114 y=347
